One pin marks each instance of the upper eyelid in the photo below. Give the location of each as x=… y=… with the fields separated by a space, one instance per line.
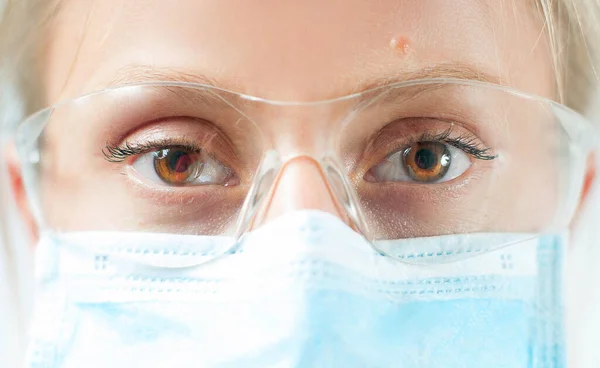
x=190 y=132
x=119 y=154
x=389 y=141
x=472 y=150
x=466 y=142
x=127 y=149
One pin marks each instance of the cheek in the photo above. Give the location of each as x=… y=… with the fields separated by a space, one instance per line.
x=73 y=193
x=95 y=196
x=525 y=206
x=527 y=190
x=491 y=198
x=77 y=186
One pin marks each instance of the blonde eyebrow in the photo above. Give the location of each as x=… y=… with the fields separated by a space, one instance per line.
x=133 y=74
x=449 y=70
x=136 y=73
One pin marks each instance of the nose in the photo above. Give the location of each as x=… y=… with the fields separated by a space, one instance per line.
x=301 y=184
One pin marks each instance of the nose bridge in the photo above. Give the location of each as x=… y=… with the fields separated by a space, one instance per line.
x=301 y=184
x=303 y=130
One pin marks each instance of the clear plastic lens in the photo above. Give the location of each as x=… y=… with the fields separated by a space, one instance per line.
x=411 y=160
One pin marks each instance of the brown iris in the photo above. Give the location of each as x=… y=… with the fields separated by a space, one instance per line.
x=177 y=166
x=427 y=161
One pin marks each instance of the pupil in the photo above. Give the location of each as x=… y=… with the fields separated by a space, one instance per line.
x=179 y=161
x=426 y=159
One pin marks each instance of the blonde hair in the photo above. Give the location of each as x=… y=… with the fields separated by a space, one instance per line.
x=573 y=31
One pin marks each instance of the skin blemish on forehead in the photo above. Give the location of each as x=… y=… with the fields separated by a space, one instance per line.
x=401 y=44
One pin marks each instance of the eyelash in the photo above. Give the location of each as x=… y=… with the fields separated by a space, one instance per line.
x=465 y=142
x=121 y=153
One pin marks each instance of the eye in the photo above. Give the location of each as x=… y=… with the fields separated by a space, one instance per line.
x=179 y=166
x=424 y=162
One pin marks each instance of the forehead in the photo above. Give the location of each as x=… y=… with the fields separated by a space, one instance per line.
x=306 y=50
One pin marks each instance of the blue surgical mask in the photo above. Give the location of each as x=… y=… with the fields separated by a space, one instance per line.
x=302 y=291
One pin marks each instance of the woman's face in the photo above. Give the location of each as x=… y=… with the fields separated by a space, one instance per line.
x=297 y=51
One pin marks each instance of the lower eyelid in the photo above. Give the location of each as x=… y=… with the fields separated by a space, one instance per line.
x=457 y=187
x=173 y=195
x=161 y=196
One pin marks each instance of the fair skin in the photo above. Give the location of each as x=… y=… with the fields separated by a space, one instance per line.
x=289 y=51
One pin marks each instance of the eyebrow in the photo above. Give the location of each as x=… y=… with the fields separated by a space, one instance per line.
x=448 y=70
x=135 y=73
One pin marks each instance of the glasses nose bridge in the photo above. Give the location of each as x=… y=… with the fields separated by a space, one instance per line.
x=301 y=167
x=301 y=184
x=295 y=131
